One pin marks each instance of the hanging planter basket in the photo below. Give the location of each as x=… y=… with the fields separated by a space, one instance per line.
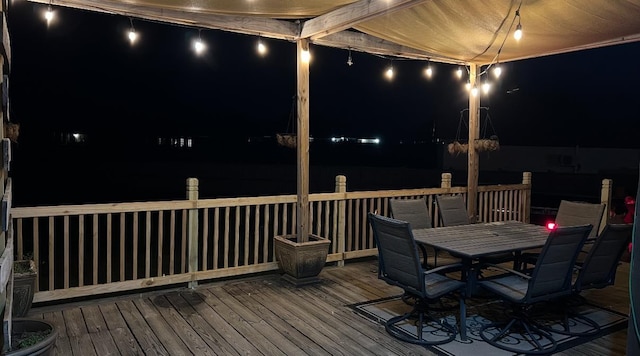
x=481 y=145
x=287 y=140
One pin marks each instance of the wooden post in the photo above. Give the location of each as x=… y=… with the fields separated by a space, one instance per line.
x=341 y=187
x=302 y=148
x=526 y=208
x=605 y=198
x=192 y=231
x=445 y=181
x=474 y=133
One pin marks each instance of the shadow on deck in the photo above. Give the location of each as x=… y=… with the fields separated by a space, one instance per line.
x=262 y=315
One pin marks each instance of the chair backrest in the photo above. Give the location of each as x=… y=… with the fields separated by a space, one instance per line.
x=453 y=210
x=571 y=213
x=599 y=267
x=398 y=259
x=413 y=211
x=552 y=275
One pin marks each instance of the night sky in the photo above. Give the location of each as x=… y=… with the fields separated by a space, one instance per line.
x=81 y=74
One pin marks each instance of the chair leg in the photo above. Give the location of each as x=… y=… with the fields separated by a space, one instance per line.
x=566 y=320
x=412 y=327
x=519 y=331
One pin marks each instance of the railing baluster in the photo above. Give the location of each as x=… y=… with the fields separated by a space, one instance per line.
x=183 y=250
x=247 y=216
x=109 y=257
x=65 y=254
x=123 y=232
x=160 y=242
x=94 y=242
x=172 y=243
x=81 y=250
x=147 y=244
x=216 y=237
x=135 y=246
x=205 y=239
x=227 y=227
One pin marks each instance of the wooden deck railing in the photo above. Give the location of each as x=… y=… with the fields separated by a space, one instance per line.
x=95 y=249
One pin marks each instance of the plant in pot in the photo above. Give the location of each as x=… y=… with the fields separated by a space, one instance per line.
x=24 y=285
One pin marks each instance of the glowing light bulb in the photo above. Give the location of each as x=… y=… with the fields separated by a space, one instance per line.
x=467 y=86
x=389 y=73
x=305 y=56
x=349 y=60
x=428 y=72
x=485 y=87
x=262 y=49
x=48 y=15
x=518 y=34
x=497 y=71
x=198 y=46
x=133 y=36
x=459 y=73
x=474 y=91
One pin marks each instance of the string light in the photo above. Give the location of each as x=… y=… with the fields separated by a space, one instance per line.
x=468 y=85
x=497 y=70
x=262 y=49
x=48 y=15
x=459 y=73
x=518 y=33
x=428 y=71
x=198 y=45
x=474 y=91
x=133 y=35
x=485 y=87
x=349 y=60
x=305 y=56
x=389 y=72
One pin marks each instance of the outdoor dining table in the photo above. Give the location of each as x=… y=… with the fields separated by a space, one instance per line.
x=473 y=241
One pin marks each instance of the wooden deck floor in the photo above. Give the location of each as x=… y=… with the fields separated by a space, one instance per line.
x=261 y=315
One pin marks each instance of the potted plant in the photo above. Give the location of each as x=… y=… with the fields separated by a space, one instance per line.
x=24 y=285
x=31 y=337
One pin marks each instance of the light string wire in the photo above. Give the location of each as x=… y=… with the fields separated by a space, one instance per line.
x=495 y=36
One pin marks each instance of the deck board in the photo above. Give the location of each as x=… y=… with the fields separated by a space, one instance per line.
x=262 y=315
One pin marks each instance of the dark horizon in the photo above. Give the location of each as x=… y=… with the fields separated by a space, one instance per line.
x=81 y=75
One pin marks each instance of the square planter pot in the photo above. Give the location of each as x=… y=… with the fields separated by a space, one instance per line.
x=24 y=287
x=301 y=262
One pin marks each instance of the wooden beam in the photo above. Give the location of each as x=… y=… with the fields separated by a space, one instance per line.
x=302 y=148
x=363 y=42
x=474 y=132
x=350 y=15
x=259 y=26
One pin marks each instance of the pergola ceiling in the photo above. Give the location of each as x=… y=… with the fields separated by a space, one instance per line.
x=449 y=31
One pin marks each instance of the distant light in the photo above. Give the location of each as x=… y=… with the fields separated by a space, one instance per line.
x=389 y=73
x=133 y=36
x=262 y=49
x=305 y=56
x=369 y=140
x=459 y=73
x=497 y=71
x=76 y=136
x=551 y=226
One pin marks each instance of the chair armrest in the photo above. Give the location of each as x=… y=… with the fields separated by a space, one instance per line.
x=444 y=268
x=508 y=270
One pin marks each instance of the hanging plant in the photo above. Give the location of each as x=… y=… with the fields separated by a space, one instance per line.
x=481 y=145
x=289 y=139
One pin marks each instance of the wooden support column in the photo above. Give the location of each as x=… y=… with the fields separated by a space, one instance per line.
x=473 y=161
x=302 y=148
x=341 y=187
x=192 y=195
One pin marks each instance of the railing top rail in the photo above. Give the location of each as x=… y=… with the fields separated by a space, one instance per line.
x=88 y=209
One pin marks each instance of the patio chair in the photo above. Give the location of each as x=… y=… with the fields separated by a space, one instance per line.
x=597 y=271
x=571 y=213
x=453 y=212
x=415 y=212
x=549 y=281
x=399 y=265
